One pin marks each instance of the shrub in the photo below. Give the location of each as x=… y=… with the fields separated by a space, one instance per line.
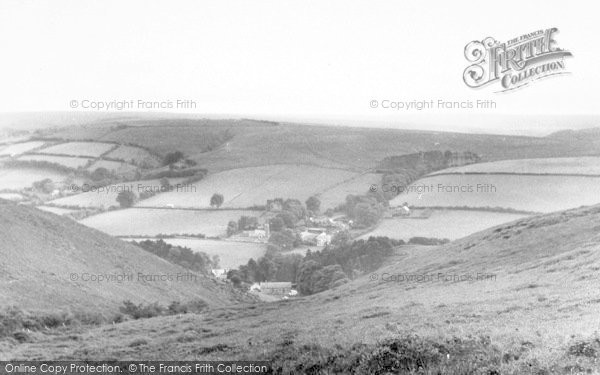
x=22 y=337
x=126 y=198
x=140 y=311
x=589 y=348
x=427 y=241
x=194 y=306
x=195 y=173
x=138 y=342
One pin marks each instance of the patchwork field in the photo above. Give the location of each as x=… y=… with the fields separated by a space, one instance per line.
x=357 y=185
x=134 y=155
x=231 y=254
x=152 y=222
x=67 y=161
x=246 y=187
x=189 y=136
x=450 y=224
x=519 y=192
x=20 y=178
x=115 y=166
x=582 y=165
x=20 y=148
x=107 y=196
x=91 y=149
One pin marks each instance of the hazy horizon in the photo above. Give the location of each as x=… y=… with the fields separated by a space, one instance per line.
x=523 y=125
x=335 y=63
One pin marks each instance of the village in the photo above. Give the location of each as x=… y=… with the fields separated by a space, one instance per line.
x=314 y=232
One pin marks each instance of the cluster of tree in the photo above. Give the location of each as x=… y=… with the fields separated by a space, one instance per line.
x=400 y=171
x=284 y=239
x=365 y=210
x=183 y=256
x=320 y=270
x=172 y=157
x=196 y=173
x=243 y=223
x=292 y=211
x=314 y=278
x=98 y=178
x=356 y=257
x=40 y=164
x=270 y=267
x=100 y=174
x=102 y=177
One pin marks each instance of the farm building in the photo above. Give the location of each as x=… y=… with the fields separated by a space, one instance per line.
x=323 y=239
x=220 y=273
x=261 y=233
x=316 y=236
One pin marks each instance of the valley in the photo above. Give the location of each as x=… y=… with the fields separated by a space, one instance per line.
x=490 y=241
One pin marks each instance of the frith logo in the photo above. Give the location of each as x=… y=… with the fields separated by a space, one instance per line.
x=515 y=63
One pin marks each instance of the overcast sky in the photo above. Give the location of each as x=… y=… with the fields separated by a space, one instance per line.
x=287 y=59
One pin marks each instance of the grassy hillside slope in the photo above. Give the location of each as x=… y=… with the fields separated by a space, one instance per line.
x=532 y=304
x=47 y=263
x=227 y=144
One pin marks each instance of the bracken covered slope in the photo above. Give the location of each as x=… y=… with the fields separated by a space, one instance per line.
x=48 y=262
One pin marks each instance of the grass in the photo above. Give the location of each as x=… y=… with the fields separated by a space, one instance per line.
x=67 y=161
x=152 y=222
x=356 y=185
x=118 y=167
x=134 y=155
x=229 y=144
x=39 y=248
x=231 y=254
x=55 y=210
x=189 y=136
x=107 y=196
x=90 y=149
x=20 y=178
x=525 y=193
x=20 y=148
x=577 y=165
x=539 y=315
x=247 y=187
x=451 y=224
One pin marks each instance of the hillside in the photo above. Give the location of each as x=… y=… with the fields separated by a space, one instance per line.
x=533 y=298
x=227 y=144
x=47 y=262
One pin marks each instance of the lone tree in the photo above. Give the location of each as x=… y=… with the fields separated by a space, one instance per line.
x=126 y=198
x=313 y=204
x=232 y=228
x=165 y=185
x=172 y=157
x=216 y=200
x=100 y=174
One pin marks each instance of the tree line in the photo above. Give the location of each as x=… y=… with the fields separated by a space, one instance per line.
x=319 y=270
